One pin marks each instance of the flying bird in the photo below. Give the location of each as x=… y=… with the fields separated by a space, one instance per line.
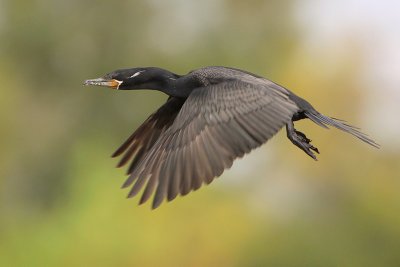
x=213 y=115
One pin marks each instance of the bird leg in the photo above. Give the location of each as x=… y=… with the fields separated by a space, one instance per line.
x=300 y=140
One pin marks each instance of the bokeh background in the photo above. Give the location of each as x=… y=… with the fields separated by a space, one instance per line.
x=60 y=202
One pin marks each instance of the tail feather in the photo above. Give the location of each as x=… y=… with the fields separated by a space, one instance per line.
x=323 y=121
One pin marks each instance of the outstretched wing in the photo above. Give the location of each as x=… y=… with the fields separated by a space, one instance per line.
x=143 y=139
x=215 y=125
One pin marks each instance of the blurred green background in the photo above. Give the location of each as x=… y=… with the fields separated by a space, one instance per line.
x=60 y=202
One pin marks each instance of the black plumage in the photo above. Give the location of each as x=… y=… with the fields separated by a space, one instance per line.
x=213 y=116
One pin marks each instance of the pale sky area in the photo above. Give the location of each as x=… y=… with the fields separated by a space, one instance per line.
x=377 y=25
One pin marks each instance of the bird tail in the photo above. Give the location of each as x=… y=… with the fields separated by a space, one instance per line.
x=324 y=121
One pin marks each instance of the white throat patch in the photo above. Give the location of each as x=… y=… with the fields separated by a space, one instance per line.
x=119 y=83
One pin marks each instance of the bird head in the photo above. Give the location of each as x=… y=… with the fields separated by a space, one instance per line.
x=134 y=78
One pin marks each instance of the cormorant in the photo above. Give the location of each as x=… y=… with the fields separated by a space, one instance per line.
x=213 y=115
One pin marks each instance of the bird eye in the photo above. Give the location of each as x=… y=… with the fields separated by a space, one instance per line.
x=109 y=76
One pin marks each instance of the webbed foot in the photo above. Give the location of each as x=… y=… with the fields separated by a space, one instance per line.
x=300 y=140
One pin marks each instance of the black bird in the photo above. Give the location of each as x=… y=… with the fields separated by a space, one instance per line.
x=213 y=115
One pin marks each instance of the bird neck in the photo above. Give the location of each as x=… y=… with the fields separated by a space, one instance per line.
x=178 y=86
x=165 y=81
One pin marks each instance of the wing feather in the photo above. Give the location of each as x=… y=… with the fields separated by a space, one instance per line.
x=214 y=126
x=142 y=140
